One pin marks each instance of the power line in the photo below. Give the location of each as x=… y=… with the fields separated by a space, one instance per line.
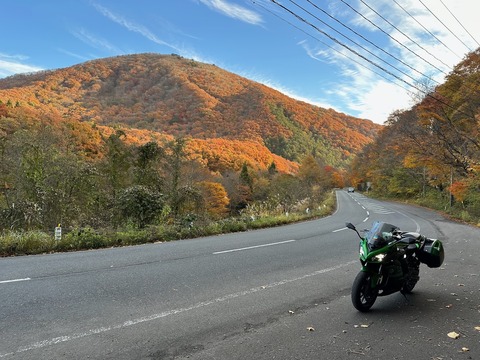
x=472 y=89
x=427 y=94
x=459 y=22
x=446 y=27
x=401 y=32
x=343 y=45
x=370 y=42
x=424 y=28
x=346 y=37
x=330 y=47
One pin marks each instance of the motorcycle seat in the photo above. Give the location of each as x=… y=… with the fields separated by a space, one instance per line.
x=410 y=238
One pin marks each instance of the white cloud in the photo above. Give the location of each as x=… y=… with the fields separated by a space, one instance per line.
x=132 y=26
x=95 y=41
x=234 y=11
x=371 y=96
x=12 y=66
x=69 y=53
x=380 y=100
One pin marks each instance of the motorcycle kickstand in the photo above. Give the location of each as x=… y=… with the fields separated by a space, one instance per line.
x=407 y=302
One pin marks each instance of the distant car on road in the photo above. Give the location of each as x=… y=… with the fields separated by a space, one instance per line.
x=351 y=189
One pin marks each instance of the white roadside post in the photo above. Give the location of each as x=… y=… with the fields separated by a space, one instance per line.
x=58 y=232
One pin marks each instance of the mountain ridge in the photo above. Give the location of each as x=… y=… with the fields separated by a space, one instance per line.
x=169 y=94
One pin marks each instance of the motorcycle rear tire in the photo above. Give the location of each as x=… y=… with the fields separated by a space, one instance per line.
x=363 y=294
x=412 y=276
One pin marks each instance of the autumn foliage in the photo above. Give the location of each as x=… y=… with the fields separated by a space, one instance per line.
x=431 y=151
x=184 y=98
x=147 y=139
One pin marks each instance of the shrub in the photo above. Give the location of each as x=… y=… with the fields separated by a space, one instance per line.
x=25 y=243
x=81 y=239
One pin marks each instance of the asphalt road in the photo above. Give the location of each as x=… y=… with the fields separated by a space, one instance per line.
x=280 y=293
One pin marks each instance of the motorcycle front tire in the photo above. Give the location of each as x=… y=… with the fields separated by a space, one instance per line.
x=363 y=294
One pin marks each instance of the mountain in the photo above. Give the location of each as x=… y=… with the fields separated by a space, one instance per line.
x=167 y=95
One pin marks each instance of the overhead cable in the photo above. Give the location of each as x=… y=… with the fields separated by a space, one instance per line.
x=427 y=94
x=331 y=47
x=346 y=37
x=424 y=28
x=371 y=43
x=401 y=32
x=446 y=27
x=459 y=22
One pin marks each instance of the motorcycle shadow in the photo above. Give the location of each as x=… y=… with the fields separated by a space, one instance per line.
x=420 y=302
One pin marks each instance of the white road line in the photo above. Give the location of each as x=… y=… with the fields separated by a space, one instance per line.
x=66 y=338
x=253 y=247
x=334 y=231
x=14 y=280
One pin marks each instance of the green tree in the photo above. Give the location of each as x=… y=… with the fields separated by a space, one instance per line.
x=286 y=191
x=140 y=204
x=149 y=161
x=46 y=185
x=245 y=178
x=117 y=163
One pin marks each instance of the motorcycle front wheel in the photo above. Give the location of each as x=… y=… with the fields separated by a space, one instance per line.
x=363 y=294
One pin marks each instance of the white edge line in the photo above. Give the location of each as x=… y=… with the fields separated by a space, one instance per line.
x=14 y=280
x=334 y=231
x=66 y=338
x=253 y=247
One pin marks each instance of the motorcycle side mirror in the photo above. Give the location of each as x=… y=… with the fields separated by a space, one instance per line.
x=350 y=226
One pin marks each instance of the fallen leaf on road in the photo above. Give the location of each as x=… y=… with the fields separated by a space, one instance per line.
x=477 y=328
x=364 y=326
x=465 y=349
x=448 y=306
x=453 y=335
x=291 y=312
x=310 y=328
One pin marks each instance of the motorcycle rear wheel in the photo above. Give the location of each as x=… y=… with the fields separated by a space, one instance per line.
x=412 y=276
x=363 y=295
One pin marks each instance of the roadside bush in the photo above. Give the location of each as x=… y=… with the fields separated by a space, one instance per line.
x=132 y=237
x=25 y=243
x=36 y=242
x=82 y=239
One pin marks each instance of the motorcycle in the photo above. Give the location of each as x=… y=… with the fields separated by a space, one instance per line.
x=390 y=261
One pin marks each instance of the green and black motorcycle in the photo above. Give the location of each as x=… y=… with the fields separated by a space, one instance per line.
x=391 y=262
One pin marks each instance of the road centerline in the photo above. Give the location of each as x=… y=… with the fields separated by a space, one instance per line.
x=253 y=247
x=14 y=280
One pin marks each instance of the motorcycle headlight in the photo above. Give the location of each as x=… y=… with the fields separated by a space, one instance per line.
x=378 y=257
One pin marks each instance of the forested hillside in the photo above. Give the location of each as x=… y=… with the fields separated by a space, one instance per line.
x=154 y=140
x=182 y=97
x=431 y=152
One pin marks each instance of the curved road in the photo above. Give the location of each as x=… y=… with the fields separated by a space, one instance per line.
x=280 y=293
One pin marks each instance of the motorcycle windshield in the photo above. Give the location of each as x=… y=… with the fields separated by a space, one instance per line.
x=379 y=235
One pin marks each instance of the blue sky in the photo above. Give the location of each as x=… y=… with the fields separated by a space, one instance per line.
x=361 y=57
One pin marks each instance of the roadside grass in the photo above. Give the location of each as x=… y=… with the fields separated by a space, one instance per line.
x=14 y=243
x=466 y=213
